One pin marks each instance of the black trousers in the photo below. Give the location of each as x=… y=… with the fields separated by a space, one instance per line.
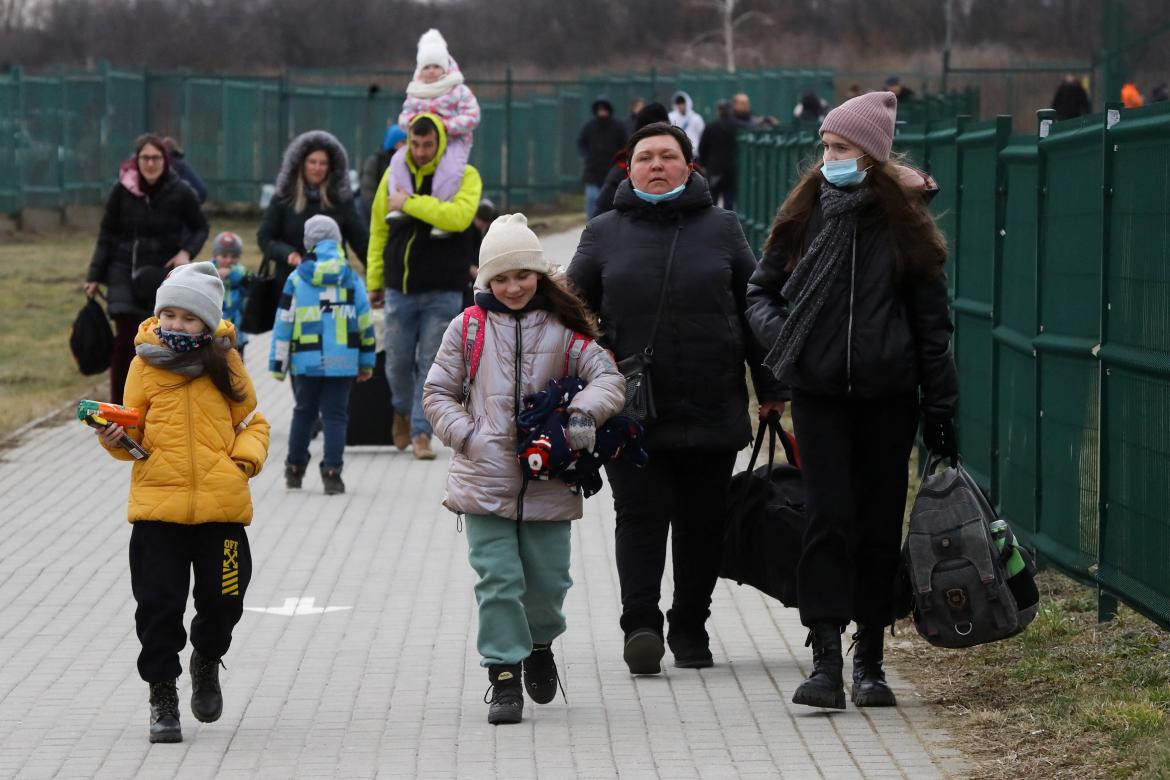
x=854 y=455
x=684 y=490
x=162 y=557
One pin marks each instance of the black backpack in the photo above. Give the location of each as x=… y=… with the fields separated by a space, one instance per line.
x=766 y=521
x=91 y=340
x=957 y=575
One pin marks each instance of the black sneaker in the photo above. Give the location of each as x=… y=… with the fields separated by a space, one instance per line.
x=540 y=674
x=504 y=695
x=644 y=651
x=206 y=697
x=293 y=475
x=164 y=712
x=331 y=478
x=691 y=650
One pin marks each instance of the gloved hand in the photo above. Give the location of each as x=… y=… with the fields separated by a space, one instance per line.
x=939 y=435
x=582 y=431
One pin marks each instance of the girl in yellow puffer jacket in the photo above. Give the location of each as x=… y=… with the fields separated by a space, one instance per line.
x=189 y=500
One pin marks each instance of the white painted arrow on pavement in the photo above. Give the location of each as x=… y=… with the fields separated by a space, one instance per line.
x=296 y=607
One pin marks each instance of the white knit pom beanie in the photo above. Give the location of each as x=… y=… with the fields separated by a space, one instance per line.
x=432 y=50
x=509 y=245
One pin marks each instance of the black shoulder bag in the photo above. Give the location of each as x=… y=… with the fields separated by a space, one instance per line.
x=636 y=368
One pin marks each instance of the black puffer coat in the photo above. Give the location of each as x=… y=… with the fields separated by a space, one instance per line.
x=144 y=231
x=875 y=337
x=282 y=230
x=704 y=338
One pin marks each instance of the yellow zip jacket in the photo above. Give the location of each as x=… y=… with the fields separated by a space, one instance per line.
x=453 y=216
x=203 y=447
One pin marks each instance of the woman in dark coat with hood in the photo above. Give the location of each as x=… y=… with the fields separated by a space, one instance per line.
x=313 y=179
x=851 y=300
x=700 y=347
x=151 y=224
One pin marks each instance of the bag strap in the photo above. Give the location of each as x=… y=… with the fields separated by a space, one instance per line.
x=577 y=344
x=649 y=351
x=474 y=327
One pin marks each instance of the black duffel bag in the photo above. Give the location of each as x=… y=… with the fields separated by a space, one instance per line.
x=766 y=521
x=91 y=340
x=263 y=297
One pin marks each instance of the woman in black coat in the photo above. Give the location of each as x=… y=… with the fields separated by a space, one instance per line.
x=851 y=300
x=313 y=179
x=151 y=224
x=699 y=351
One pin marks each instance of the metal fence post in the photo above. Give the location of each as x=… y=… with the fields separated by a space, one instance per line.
x=505 y=169
x=1045 y=118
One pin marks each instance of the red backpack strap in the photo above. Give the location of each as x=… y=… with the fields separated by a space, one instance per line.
x=474 y=328
x=577 y=344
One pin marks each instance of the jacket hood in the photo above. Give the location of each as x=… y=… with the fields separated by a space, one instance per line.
x=430 y=167
x=685 y=96
x=146 y=332
x=128 y=177
x=697 y=195
x=915 y=179
x=326 y=265
x=601 y=100
x=294 y=158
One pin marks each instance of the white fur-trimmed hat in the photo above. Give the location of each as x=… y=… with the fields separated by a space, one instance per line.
x=509 y=245
x=432 y=50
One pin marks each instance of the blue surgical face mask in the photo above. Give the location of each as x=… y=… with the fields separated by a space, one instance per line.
x=843 y=173
x=651 y=197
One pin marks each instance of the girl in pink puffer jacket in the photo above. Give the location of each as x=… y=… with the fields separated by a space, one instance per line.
x=517 y=530
x=437 y=88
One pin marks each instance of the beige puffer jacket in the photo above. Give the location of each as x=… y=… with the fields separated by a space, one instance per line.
x=485 y=477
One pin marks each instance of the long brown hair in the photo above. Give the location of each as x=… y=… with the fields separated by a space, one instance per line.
x=216 y=365
x=920 y=249
x=567 y=306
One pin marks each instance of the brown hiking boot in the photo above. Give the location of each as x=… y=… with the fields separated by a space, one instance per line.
x=421 y=446
x=401 y=431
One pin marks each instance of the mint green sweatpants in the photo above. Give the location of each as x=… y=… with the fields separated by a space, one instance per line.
x=523 y=573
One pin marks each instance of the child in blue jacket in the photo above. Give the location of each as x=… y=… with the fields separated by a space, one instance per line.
x=324 y=337
x=226 y=251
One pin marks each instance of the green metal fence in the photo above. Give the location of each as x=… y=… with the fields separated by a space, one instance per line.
x=1060 y=274
x=62 y=135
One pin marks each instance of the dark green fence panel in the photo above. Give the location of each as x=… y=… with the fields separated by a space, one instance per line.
x=945 y=166
x=83 y=178
x=545 y=154
x=570 y=105
x=1070 y=330
x=488 y=153
x=980 y=220
x=910 y=140
x=1015 y=326
x=10 y=134
x=520 y=155
x=1135 y=425
x=42 y=138
x=125 y=117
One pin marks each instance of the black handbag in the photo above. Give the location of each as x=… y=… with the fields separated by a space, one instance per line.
x=263 y=297
x=765 y=529
x=91 y=340
x=636 y=368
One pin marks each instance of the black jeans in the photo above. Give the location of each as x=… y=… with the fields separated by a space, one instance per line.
x=681 y=489
x=162 y=556
x=854 y=454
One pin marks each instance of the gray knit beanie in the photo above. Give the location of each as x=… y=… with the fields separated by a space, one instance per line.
x=320 y=228
x=195 y=287
x=867 y=121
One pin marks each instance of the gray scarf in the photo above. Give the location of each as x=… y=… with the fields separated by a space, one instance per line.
x=808 y=286
x=161 y=357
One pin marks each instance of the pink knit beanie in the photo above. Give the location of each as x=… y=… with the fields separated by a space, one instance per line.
x=866 y=120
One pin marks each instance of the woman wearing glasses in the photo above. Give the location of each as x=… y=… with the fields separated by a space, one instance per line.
x=151 y=224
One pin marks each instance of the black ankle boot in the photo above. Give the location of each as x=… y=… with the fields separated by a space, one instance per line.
x=691 y=649
x=206 y=698
x=505 y=695
x=869 y=681
x=164 y=712
x=540 y=674
x=331 y=479
x=293 y=475
x=825 y=686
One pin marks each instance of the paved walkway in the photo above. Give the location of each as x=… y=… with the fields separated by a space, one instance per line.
x=384 y=682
